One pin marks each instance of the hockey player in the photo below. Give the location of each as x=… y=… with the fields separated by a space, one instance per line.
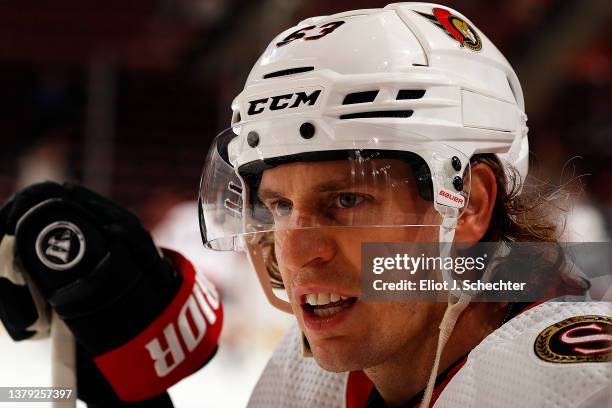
x=402 y=124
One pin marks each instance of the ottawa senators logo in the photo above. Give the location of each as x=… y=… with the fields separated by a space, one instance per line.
x=580 y=339
x=455 y=27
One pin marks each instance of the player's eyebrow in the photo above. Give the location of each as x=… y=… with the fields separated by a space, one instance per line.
x=337 y=185
x=327 y=186
x=266 y=194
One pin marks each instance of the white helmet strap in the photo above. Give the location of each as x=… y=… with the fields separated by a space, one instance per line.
x=457 y=301
x=451 y=315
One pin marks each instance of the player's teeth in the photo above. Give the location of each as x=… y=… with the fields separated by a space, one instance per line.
x=323 y=298
x=327 y=312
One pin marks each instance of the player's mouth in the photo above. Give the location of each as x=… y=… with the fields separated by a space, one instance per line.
x=324 y=310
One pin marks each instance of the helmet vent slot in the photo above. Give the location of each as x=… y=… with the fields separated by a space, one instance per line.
x=360 y=97
x=410 y=94
x=378 y=114
x=236 y=117
x=286 y=72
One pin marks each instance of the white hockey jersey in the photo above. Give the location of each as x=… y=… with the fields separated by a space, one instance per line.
x=556 y=354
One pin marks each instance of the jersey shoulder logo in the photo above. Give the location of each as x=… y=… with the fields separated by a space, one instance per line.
x=455 y=27
x=580 y=339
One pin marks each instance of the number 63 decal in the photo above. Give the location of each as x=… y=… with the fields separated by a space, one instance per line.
x=323 y=31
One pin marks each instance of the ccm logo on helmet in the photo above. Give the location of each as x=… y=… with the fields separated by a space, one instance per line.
x=196 y=314
x=286 y=101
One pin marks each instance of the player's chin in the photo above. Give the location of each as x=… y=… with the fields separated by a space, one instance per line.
x=336 y=364
x=336 y=355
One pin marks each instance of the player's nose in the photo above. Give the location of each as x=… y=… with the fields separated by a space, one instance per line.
x=307 y=246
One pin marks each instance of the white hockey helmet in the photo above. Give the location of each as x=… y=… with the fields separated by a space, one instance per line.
x=413 y=82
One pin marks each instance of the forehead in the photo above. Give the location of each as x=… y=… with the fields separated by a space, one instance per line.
x=334 y=175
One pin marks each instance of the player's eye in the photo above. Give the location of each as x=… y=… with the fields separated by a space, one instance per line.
x=349 y=200
x=282 y=208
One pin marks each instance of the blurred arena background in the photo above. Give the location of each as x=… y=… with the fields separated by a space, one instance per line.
x=126 y=96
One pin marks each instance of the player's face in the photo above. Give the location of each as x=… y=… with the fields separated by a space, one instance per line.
x=320 y=267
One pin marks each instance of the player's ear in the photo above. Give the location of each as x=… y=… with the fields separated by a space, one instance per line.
x=476 y=219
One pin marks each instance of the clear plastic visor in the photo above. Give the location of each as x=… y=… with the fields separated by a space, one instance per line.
x=392 y=181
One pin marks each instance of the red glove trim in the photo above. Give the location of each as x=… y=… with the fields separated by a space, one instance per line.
x=175 y=345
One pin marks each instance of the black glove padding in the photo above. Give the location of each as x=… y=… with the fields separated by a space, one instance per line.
x=17 y=310
x=96 y=266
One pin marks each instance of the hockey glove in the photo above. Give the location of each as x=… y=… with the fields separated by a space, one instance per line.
x=145 y=318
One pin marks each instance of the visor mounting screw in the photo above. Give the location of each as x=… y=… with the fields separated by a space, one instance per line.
x=456 y=163
x=307 y=130
x=458 y=183
x=253 y=139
